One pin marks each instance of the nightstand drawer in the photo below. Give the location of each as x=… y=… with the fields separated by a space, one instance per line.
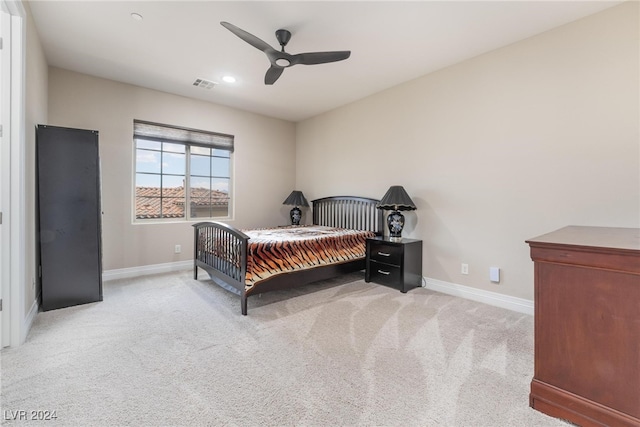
x=389 y=254
x=385 y=274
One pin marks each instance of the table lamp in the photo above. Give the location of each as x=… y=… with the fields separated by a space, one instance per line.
x=396 y=199
x=296 y=199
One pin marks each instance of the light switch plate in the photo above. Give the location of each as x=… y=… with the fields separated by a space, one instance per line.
x=494 y=274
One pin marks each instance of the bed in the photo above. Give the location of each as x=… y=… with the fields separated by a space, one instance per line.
x=248 y=262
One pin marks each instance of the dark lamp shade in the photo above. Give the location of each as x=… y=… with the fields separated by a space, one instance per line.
x=396 y=199
x=296 y=198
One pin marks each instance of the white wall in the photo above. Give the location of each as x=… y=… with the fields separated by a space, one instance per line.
x=264 y=161
x=36 y=84
x=500 y=148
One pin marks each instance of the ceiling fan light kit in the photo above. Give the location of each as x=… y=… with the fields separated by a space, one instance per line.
x=280 y=59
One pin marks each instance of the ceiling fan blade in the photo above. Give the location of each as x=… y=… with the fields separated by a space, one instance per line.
x=319 y=57
x=247 y=37
x=273 y=73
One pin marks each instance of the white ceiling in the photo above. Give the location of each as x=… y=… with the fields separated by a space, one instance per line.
x=390 y=41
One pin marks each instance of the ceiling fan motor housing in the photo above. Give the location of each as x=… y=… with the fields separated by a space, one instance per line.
x=283 y=37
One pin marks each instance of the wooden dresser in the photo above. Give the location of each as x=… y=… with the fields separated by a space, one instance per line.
x=587 y=325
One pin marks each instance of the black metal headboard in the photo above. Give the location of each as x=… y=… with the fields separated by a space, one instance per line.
x=356 y=213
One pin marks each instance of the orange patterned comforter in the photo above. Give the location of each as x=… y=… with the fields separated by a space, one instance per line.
x=280 y=250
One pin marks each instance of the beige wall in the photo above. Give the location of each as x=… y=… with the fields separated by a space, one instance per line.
x=36 y=82
x=264 y=161
x=500 y=148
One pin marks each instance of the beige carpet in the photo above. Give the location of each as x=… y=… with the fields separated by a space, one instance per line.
x=169 y=350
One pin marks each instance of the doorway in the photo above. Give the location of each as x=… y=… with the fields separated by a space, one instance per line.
x=5 y=119
x=12 y=166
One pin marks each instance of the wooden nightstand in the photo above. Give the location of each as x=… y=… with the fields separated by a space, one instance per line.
x=396 y=263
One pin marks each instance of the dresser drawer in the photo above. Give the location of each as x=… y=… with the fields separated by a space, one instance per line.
x=385 y=274
x=389 y=254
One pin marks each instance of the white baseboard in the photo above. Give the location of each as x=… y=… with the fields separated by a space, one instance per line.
x=520 y=305
x=144 y=270
x=28 y=321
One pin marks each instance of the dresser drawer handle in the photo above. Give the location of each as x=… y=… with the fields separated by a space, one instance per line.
x=384 y=254
x=386 y=273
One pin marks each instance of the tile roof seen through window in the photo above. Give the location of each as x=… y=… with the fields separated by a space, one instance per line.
x=150 y=203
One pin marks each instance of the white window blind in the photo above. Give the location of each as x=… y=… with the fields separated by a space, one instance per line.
x=167 y=133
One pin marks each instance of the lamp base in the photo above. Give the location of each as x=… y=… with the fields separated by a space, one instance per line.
x=395 y=221
x=296 y=215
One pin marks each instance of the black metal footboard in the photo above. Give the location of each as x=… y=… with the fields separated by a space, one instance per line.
x=221 y=251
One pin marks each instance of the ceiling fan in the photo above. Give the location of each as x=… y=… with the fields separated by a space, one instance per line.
x=281 y=60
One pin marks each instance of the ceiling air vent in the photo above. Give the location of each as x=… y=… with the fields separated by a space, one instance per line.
x=205 y=84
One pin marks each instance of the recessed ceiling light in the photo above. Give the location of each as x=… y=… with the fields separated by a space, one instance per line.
x=229 y=79
x=136 y=16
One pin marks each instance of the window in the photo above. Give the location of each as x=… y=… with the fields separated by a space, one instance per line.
x=178 y=168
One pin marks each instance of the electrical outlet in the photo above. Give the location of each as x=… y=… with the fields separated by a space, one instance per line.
x=178 y=249
x=464 y=269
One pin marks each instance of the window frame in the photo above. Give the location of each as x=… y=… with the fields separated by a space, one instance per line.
x=188 y=145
